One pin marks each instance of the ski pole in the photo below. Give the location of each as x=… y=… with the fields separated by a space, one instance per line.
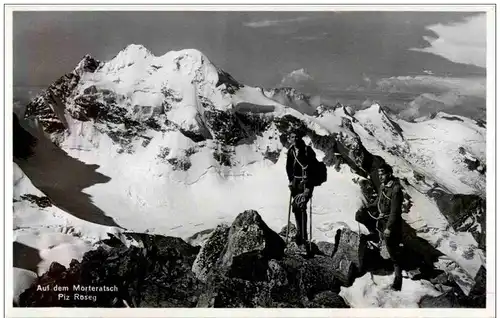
x=288 y=223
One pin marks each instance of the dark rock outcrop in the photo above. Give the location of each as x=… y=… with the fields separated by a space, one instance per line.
x=226 y=79
x=327 y=248
x=48 y=107
x=292 y=98
x=452 y=118
x=481 y=123
x=223 y=155
x=329 y=299
x=246 y=266
x=454 y=297
x=210 y=252
x=224 y=126
x=295 y=280
x=88 y=64
x=448 y=299
x=477 y=295
x=292 y=231
x=155 y=275
x=43 y=202
x=231 y=292
x=472 y=163
x=349 y=255
x=251 y=244
x=465 y=213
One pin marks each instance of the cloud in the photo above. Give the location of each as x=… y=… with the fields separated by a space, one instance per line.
x=462 y=96
x=271 y=23
x=472 y=86
x=311 y=37
x=304 y=83
x=296 y=77
x=308 y=38
x=301 y=81
x=463 y=42
x=367 y=80
x=367 y=103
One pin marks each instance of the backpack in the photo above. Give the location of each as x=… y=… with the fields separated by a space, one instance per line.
x=318 y=173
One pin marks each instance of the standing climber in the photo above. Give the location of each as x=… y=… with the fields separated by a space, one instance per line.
x=300 y=160
x=384 y=217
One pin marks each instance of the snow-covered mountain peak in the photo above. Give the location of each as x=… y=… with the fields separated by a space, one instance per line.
x=377 y=122
x=137 y=64
x=140 y=85
x=376 y=110
x=288 y=91
x=137 y=50
x=348 y=110
x=133 y=53
x=291 y=97
x=87 y=64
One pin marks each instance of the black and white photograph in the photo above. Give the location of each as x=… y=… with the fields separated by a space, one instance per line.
x=263 y=157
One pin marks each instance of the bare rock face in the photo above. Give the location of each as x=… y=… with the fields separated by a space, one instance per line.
x=48 y=107
x=210 y=252
x=329 y=299
x=465 y=213
x=477 y=296
x=448 y=299
x=453 y=297
x=295 y=280
x=254 y=269
x=349 y=257
x=276 y=275
x=230 y=292
x=251 y=243
x=292 y=231
x=326 y=248
x=42 y=202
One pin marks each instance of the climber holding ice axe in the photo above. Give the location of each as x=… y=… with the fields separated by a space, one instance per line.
x=304 y=173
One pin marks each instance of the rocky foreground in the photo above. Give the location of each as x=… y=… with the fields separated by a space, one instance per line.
x=244 y=265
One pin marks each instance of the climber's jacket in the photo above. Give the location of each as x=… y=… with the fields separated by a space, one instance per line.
x=297 y=164
x=388 y=205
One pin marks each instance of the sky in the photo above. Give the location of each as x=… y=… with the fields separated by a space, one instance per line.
x=412 y=62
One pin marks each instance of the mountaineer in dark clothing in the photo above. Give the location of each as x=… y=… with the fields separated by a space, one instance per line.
x=300 y=159
x=383 y=219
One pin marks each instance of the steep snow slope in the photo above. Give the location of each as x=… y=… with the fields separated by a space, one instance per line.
x=460 y=247
x=143 y=184
x=49 y=227
x=431 y=148
x=44 y=234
